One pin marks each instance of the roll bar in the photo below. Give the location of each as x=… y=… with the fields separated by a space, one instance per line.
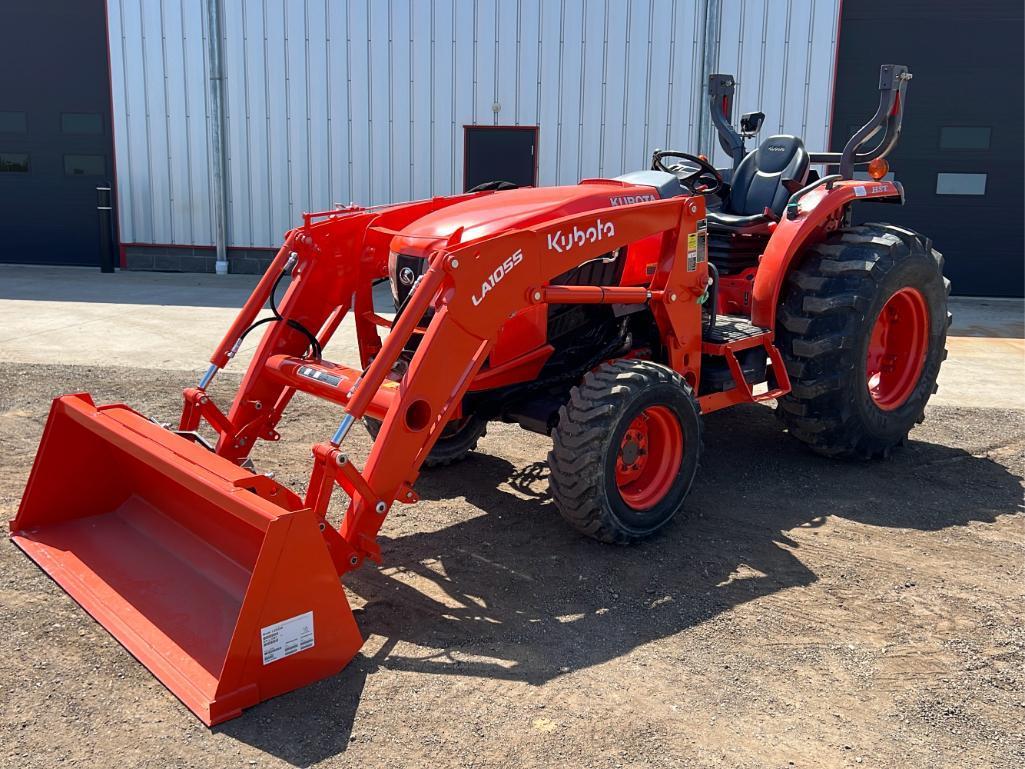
x=889 y=116
x=893 y=83
x=720 y=103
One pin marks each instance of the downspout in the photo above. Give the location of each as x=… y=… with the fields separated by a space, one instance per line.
x=712 y=12
x=215 y=134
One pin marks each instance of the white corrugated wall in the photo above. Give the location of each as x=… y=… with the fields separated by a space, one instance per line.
x=331 y=101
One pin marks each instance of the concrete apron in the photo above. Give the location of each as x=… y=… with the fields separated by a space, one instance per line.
x=79 y=316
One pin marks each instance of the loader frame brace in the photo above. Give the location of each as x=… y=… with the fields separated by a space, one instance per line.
x=337 y=255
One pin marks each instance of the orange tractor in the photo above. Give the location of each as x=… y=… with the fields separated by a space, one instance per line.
x=611 y=315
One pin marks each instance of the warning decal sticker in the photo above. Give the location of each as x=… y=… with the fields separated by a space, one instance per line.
x=286 y=638
x=692 y=251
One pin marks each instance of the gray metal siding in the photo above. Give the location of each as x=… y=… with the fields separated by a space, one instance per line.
x=783 y=54
x=330 y=102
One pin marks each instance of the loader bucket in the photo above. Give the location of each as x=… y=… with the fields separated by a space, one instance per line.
x=228 y=596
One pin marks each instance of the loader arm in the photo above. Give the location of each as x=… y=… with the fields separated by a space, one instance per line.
x=474 y=288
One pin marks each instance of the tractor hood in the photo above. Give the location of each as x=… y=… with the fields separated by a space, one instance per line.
x=497 y=212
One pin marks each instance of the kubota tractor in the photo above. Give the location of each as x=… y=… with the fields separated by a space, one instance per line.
x=611 y=315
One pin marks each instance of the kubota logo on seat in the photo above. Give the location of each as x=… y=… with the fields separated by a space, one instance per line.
x=776 y=148
x=500 y=272
x=560 y=241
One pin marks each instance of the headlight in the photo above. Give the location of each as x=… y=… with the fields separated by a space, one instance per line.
x=403 y=270
x=393 y=260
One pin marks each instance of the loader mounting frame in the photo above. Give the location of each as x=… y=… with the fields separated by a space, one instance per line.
x=515 y=268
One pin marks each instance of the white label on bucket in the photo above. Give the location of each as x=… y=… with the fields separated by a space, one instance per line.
x=289 y=637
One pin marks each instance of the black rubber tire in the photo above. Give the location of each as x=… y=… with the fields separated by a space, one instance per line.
x=453 y=445
x=827 y=310
x=587 y=439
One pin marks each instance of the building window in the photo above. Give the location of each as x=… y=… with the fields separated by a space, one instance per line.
x=84 y=165
x=13 y=162
x=960 y=184
x=81 y=123
x=964 y=137
x=12 y=122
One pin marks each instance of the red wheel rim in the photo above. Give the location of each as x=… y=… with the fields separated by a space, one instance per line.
x=649 y=458
x=897 y=348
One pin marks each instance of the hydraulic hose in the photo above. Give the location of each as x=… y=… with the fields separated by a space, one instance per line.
x=314 y=344
x=713 y=295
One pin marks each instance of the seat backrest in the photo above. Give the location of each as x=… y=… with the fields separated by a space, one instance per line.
x=757 y=183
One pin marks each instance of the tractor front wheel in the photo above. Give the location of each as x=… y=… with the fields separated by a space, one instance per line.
x=625 y=450
x=862 y=327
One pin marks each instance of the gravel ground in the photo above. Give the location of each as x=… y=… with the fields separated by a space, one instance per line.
x=806 y=613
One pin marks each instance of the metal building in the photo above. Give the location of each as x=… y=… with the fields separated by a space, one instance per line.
x=367 y=101
x=372 y=101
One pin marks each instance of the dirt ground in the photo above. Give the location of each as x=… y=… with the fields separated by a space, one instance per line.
x=807 y=613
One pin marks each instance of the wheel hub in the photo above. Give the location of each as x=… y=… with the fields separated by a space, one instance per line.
x=634 y=447
x=897 y=349
x=649 y=457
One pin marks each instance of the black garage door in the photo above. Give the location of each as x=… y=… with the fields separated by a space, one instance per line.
x=961 y=153
x=55 y=138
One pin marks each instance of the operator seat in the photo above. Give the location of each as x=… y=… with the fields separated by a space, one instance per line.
x=760 y=182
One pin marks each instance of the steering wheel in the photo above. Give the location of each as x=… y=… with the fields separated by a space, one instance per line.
x=695 y=173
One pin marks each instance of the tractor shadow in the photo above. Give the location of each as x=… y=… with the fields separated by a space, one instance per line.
x=514 y=594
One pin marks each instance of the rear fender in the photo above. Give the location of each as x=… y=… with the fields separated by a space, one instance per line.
x=815 y=213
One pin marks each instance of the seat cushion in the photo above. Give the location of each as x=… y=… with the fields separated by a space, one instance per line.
x=757 y=183
x=749 y=224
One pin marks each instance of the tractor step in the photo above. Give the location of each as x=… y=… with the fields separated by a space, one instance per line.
x=730 y=329
x=734 y=339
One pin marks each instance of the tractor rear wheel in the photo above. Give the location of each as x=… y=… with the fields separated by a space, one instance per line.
x=862 y=327
x=625 y=450
x=458 y=439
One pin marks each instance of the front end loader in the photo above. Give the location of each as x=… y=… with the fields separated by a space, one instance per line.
x=610 y=315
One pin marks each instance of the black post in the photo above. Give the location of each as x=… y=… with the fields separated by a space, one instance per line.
x=105 y=211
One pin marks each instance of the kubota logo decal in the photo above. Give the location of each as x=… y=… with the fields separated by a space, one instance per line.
x=500 y=272
x=626 y=200
x=560 y=241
